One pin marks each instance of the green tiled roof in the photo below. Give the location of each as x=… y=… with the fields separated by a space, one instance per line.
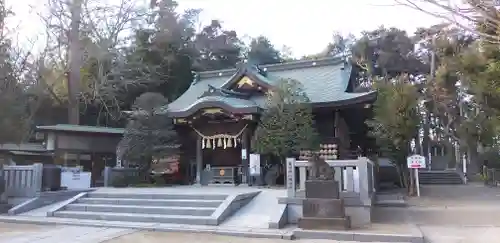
x=78 y=128
x=324 y=80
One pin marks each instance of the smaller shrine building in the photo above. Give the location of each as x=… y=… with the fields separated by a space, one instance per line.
x=217 y=115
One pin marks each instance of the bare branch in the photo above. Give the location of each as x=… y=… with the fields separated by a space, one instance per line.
x=468 y=15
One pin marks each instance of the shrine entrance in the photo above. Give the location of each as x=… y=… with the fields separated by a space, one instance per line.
x=223 y=152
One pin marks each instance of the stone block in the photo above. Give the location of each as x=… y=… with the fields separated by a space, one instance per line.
x=322 y=189
x=311 y=223
x=323 y=208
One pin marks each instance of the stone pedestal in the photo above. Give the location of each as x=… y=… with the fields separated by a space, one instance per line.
x=323 y=209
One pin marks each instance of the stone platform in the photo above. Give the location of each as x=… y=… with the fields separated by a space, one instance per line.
x=323 y=209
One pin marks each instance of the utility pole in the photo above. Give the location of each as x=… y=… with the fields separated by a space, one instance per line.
x=75 y=62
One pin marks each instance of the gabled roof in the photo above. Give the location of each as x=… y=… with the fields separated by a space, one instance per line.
x=82 y=129
x=324 y=80
x=253 y=72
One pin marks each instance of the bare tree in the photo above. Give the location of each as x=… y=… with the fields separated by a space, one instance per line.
x=84 y=34
x=75 y=62
x=476 y=16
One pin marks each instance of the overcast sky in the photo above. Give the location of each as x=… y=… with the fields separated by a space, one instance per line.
x=304 y=26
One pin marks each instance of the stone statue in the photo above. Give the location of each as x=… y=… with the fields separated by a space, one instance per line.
x=320 y=170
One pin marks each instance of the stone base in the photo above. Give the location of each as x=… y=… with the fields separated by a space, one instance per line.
x=323 y=208
x=311 y=223
x=322 y=189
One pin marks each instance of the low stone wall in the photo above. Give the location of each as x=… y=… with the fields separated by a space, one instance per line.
x=113 y=173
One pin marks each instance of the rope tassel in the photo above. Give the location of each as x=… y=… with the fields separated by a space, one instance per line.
x=220 y=140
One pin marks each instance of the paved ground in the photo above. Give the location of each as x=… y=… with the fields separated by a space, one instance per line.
x=19 y=233
x=457 y=214
x=445 y=214
x=157 y=237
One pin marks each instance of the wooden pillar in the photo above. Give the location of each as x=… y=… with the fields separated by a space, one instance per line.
x=336 y=123
x=245 y=154
x=199 y=159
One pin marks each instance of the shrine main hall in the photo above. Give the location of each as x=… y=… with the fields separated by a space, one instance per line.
x=217 y=115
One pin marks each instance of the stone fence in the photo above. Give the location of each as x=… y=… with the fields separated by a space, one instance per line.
x=22 y=180
x=492 y=176
x=356 y=185
x=356 y=177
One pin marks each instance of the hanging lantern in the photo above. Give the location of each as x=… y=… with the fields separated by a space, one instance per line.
x=229 y=142
x=225 y=143
x=219 y=143
x=203 y=143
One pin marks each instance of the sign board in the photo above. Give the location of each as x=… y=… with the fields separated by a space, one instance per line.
x=290 y=177
x=75 y=180
x=416 y=162
x=254 y=164
x=243 y=153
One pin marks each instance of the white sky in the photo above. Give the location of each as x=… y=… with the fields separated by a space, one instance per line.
x=304 y=26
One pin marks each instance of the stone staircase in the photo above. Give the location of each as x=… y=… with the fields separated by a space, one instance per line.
x=440 y=177
x=196 y=209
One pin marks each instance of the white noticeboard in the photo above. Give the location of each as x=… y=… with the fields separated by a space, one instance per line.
x=416 y=162
x=78 y=180
x=254 y=162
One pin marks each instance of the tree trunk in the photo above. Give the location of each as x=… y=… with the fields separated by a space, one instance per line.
x=75 y=62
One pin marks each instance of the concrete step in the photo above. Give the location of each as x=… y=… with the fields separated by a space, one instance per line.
x=157 y=196
x=193 y=211
x=135 y=217
x=440 y=178
x=441 y=183
x=152 y=202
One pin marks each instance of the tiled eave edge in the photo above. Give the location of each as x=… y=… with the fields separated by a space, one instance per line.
x=210 y=104
x=363 y=99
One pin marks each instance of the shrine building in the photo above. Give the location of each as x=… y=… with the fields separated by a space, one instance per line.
x=217 y=115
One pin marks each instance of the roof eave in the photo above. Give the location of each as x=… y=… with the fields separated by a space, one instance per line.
x=364 y=99
x=55 y=129
x=211 y=104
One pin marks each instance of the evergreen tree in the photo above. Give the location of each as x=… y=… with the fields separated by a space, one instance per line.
x=148 y=132
x=287 y=126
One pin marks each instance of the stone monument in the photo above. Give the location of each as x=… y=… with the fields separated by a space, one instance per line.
x=323 y=209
